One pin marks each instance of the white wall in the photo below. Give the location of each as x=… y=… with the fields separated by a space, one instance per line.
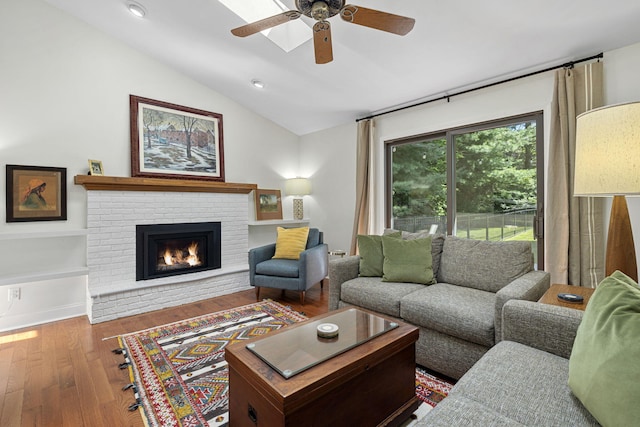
x=64 y=99
x=524 y=96
x=329 y=158
x=64 y=90
x=334 y=188
x=518 y=97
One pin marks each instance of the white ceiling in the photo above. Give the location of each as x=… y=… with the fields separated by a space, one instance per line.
x=454 y=45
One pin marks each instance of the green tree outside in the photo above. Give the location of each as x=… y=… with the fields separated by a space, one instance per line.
x=495 y=172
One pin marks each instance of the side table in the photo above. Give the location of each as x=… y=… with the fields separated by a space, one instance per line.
x=337 y=253
x=551 y=296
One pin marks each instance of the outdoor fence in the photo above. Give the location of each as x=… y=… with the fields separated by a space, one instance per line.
x=501 y=226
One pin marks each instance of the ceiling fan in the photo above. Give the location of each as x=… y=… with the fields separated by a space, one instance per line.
x=321 y=10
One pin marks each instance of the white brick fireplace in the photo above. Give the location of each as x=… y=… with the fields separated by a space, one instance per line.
x=112 y=216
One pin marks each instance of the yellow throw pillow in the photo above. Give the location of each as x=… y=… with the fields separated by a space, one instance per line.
x=290 y=242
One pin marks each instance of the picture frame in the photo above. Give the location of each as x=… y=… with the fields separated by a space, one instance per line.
x=36 y=193
x=95 y=168
x=268 y=204
x=174 y=141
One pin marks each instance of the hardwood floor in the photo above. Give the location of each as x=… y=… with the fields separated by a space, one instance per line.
x=65 y=374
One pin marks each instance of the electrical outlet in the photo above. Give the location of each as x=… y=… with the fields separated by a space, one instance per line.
x=14 y=294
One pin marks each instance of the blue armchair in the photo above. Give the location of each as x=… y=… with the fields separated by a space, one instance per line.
x=288 y=274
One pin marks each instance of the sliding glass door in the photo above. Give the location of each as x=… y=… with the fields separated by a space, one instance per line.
x=480 y=182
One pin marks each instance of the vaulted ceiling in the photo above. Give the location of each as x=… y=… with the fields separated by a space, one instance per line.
x=454 y=45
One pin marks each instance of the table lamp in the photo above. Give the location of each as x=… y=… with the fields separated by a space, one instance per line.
x=608 y=164
x=298 y=187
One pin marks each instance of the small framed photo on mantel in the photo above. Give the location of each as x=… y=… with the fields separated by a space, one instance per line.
x=95 y=168
x=36 y=193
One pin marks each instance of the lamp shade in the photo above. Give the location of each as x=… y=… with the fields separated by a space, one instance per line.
x=297 y=187
x=608 y=151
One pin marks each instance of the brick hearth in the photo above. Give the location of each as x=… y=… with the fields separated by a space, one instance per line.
x=111 y=219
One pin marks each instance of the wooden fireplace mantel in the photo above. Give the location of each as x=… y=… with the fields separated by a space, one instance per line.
x=117 y=183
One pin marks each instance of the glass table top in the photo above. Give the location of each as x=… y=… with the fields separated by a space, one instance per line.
x=299 y=347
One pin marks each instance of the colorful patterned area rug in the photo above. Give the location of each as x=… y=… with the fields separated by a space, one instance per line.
x=179 y=375
x=430 y=389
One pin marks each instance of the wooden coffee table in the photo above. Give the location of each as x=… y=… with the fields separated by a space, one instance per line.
x=370 y=382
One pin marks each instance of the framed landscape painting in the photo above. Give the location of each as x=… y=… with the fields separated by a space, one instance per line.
x=268 y=204
x=173 y=141
x=36 y=193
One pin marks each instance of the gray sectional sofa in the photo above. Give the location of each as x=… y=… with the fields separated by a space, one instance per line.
x=460 y=316
x=521 y=381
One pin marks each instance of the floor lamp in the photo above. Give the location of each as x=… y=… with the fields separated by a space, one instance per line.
x=608 y=164
x=298 y=187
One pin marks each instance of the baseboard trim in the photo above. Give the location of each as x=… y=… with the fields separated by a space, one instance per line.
x=26 y=320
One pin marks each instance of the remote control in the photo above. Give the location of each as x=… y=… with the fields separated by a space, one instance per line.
x=570 y=298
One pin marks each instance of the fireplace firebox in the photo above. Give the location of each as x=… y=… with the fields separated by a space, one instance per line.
x=171 y=249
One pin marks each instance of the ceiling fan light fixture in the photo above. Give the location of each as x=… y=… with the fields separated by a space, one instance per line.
x=321 y=11
x=259 y=84
x=136 y=9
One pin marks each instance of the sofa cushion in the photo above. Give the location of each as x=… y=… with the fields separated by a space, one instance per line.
x=602 y=371
x=464 y=411
x=374 y=294
x=484 y=265
x=406 y=235
x=520 y=385
x=437 y=241
x=371 y=256
x=279 y=268
x=457 y=311
x=407 y=260
x=290 y=242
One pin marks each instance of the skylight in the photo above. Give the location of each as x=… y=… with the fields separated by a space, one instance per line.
x=288 y=36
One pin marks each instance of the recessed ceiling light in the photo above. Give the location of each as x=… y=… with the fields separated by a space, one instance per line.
x=136 y=9
x=258 y=83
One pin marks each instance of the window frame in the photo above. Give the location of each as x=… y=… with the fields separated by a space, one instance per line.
x=450 y=134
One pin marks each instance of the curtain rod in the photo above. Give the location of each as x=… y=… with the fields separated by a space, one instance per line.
x=447 y=97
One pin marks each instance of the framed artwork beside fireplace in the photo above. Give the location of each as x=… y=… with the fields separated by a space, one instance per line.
x=173 y=141
x=268 y=204
x=36 y=193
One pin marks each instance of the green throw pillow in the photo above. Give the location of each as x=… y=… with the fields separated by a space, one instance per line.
x=371 y=258
x=603 y=367
x=407 y=260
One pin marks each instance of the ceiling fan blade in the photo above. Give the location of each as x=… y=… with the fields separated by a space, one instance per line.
x=322 y=42
x=377 y=19
x=264 y=24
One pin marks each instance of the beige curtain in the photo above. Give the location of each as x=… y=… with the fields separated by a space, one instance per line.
x=574 y=232
x=361 y=222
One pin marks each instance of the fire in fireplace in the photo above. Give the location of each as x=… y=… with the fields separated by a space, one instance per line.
x=182 y=254
x=170 y=249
